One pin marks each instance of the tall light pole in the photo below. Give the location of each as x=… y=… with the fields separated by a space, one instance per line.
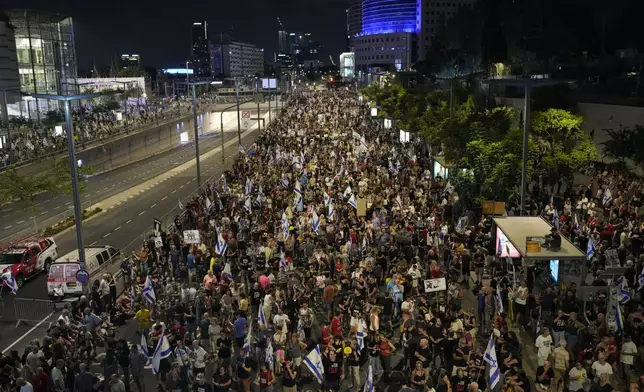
x=78 y=216
x=196 y=124
x=528 y=84
x=221 y=125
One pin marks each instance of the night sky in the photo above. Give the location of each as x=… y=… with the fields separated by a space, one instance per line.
x=159 y=31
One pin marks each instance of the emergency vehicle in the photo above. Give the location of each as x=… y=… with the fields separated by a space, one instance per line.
x=27 y=257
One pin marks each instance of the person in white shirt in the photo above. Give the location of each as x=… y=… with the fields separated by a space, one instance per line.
x=281 y=320
x=543 y=344
x=415 y=274
x=199 y=358
x=626 y=356
x=576 y=378
x=600 y=367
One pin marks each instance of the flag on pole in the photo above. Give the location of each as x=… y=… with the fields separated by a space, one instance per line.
x=132 y=282
x=249 y=186
x=249 y=337
x=285 y=225
x=314 y=362
x=490 y=358
x=499 y=302
x=327 y=199
x=623 y=294
x=260 y=316
x=368 y=383
x=163 y=350
x=347 y=192
x=248 y=205
x=360 y=337
x=316 y=223
x=640 y=280
x=221 y=247
x=227 y=271
x=363 y=250
x=353 y=202
x=331 y=211
x=284 y=181
x=607 y=198
x=590 y=249
x=144 y=346
x=619 y=318
x=10 y=281
x=148 y=290
x=270 y=359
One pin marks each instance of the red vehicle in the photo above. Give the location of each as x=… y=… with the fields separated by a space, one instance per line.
x=26 y=258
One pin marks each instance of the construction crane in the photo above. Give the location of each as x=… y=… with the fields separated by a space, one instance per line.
x=280 y=22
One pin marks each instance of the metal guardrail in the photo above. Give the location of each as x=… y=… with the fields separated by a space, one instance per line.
x=36 y=311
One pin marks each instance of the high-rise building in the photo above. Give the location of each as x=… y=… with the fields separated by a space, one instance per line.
x=200 y=55
x=282 y=42
x=130 y=61
x=397 y=33
x=233 y=59
x=46 y=59
x=354 y=18
x=9 y=79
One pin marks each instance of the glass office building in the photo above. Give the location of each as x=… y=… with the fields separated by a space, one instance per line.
x=46 y=58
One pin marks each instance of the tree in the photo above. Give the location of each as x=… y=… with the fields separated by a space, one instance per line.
x=15 y=187
x=625 y=144
x=131 y=72
x=53 y=117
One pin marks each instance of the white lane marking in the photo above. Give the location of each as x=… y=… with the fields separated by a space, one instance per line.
x=174 y=191
x=93 y=243
x=128 y=221
x=19 y=222
x=117 y=228
x=188 y=182
x=27 y=333
x=141 y=213
x=5 y=215
x=68 y=203
x=164 y=197
x=153 y=205
x=181 y=186
x=55 y=208
x=107 y=235
x=7 y=227
x=44 y=212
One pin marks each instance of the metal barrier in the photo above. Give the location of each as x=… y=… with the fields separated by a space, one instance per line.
x=37 y=311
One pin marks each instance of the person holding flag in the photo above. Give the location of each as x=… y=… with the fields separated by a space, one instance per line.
x=493 y=366
x=8 y=280
x=148 y=291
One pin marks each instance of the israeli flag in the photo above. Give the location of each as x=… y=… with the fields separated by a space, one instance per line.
x=316 y=223
x=399 y=202
x=249 y=186
x=285 y=225
x=499 y=248
x=284 y=182
x=368 y=383
x=221 y=247
x=314 y=362
x=640 y=280
x=623 y=294
x=225 y=183
x=260 y=315
x=360 y=337
x=148 y=290
x=331 y=212
x=300 y=330
x=490 y=358
x=607 y=198
x=249 y=338
x=392 y=168
x=270 y=359
x=353 y=202
x=298 y=188
x=619 y=318
x=144 y=346
x=363 y=250
x=347 y=192
x=590 y=249
x=219 y=203
x=227 y=271
x=208 y=204
x=327 y=199
x=555 y=219
x=248 y=205
x=576 y=222
x=163 y=350
x=132 y=292
x=499 y=302
x=258 y=201
x=10 y=281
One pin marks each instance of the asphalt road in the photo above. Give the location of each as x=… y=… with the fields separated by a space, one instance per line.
x=16 y=222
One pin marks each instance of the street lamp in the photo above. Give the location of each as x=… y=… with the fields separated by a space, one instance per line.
x=194 y=119
x=221 y=125
x=78 y=217
x=528 y=84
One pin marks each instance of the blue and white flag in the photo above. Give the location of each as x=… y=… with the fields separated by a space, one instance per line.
x=163 y=350
x=10 y=281
x=144 y=346
x=224 y=185
x=315 y=223
x=490 y=358
x=283 y=263
x=132 y=280
x=347 y=192
x=227 y=271
x=298 y=188
x=260 y=315
x=623 y=294
x=327 y=199
x=221 y=247
x=285 y=225
x=284 y=182
x=314 y=362
x=331 y=211
x=576 y=222
x=248 y=206
x=363 y=250
x=590 y=249
x=258 y=201
x=619 y=318
x=555 y=219
x=353 y=202
x=249 y=338
x=607 y=198
x=270 y=358
x=640 y=280
x=300 y=330
x=249 y=186
x=360 y=337
x=148 y=290
x=368 y=383
x=499 y=302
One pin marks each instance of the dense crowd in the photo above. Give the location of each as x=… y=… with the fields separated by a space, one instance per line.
x=329 y=255
x=94 y=122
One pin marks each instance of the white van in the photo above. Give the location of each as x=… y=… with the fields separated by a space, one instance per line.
x=98 y=260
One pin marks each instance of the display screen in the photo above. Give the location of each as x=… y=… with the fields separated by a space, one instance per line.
x=554 y=270
x=269 y=83
x=503 y=245
x=374 y=112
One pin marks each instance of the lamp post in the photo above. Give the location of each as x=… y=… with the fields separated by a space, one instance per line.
x=221 y=125
x=528 y=84
x=6 y=118
x=196 y=124
x=78 y=216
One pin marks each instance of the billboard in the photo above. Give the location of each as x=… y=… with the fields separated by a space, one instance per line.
x=503 y=245
x=268 y=83
x=178 y=71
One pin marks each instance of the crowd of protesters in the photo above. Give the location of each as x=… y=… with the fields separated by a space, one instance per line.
x=328 y=238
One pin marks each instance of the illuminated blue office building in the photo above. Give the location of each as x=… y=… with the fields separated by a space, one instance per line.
x=388 y=16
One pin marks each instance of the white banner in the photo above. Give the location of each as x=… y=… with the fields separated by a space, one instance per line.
x=434 y=285
x=191 y=236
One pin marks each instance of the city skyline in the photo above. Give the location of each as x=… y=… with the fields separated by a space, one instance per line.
x=162 y=36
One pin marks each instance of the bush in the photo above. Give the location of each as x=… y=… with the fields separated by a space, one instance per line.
x=68 y=222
